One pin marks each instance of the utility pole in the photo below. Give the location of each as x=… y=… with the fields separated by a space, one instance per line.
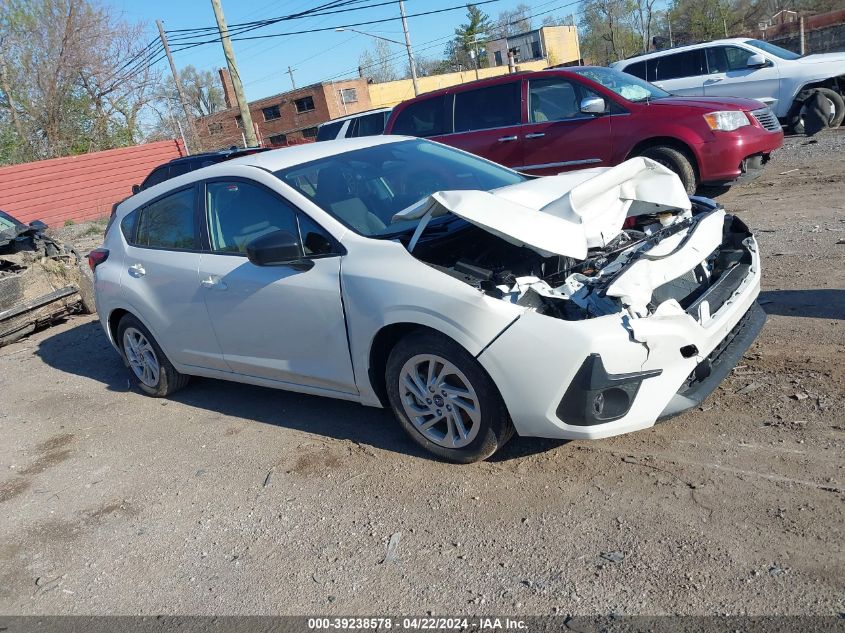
x=249 y=131
x=179 y=89
x=408 y=46
x=292 y=82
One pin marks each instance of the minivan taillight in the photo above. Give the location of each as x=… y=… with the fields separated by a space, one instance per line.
x=97 y=257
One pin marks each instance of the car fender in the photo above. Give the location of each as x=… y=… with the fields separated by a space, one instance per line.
x=382 y=285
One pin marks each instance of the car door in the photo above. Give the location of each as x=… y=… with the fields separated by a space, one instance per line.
x=284 y=323
x=558 y=136
x=730 y=76
x=681 y=73
x=488 y=123
x=161 y=280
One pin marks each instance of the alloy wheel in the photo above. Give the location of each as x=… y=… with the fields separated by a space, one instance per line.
x=439 y=401
x=141 y=356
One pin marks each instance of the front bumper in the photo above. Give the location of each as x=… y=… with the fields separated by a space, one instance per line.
x=736 y=156
x=537 y=360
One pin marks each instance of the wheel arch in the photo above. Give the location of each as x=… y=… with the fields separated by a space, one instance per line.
x=114 y=320
x=667 y=141
x=382 y=344
x=837 y=84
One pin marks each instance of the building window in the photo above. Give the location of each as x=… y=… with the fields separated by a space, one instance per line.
x=271 y=112
x=309 y=132
x=348 y=95
x=498 y=57
x=277 y=140
x=240 y=122
x=535 y=49
x=215 y=127
x=306 y=104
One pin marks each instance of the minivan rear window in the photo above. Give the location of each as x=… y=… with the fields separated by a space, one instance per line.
x=486 y=108
x=423 y=118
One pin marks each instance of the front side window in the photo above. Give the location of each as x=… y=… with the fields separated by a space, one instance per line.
x=305 y=104
x=169 y=222
x=238 y=212
x=486 y=108
x=365 y=188
x=421 y=118
x=552 y=100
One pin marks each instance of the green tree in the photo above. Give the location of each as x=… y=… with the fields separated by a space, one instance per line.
x=469 y=38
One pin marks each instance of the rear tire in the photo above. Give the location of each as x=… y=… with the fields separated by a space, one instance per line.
x=149 y=368
x=676 y=161
x=836 y=100
x=445 y=400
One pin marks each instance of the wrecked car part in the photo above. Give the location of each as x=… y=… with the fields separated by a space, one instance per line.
x=41 y=279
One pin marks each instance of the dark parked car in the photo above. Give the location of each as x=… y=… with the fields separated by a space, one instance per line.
x=179 y=166
x=556 y=120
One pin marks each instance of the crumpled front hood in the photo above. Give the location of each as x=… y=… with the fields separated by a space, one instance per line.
x=822 y=58
x=564 y=214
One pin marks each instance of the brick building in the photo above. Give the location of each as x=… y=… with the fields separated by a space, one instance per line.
x=285 y=118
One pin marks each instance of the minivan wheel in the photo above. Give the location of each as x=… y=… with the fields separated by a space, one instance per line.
x=676 y=161
x=445 y=400
x=149 y=368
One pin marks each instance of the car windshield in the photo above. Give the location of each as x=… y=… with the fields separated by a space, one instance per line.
x=771 y=49
x=625 y=85
x=365 y=188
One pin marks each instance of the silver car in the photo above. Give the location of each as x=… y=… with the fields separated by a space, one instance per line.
x=472 y=300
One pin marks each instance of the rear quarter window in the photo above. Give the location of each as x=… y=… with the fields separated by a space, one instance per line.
x=422 y=118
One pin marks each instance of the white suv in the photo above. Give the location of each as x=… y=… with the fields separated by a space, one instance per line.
x=753 y=69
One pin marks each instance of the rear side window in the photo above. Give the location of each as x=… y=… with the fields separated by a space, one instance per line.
x=423 y=118
x=637 y=70
x=678 y=65
x=159 y=174
x=169 y=222
x=370 y=125
x=329 y=131
x=486 y=108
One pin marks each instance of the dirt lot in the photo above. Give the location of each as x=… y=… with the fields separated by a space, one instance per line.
x=234 y=499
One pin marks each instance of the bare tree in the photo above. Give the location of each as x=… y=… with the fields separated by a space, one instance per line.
x=379 y=64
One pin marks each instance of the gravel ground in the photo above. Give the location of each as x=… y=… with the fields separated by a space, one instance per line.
x=233 y=499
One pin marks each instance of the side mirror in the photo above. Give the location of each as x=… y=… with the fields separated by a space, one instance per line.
x=757 y=61
x=279 y=248
x=38 y=225
x=593 y=105
x=136 y=189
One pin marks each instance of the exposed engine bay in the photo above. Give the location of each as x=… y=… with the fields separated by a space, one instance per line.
x=568 y=288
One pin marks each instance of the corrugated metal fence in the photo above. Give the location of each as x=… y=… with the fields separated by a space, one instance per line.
x=79 y=187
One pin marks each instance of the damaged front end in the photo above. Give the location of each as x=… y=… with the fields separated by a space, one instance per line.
x=659 y=288
x=41 y=279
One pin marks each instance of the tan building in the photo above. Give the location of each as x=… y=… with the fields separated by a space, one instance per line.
x=557 y=45
x=285 y=118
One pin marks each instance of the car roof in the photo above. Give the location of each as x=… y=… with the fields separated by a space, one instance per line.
x=355 y=116
x=491 y=81
x=679 y=49
x=221 y=154
x=298 y=154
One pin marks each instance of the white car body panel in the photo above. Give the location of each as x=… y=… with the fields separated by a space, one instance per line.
x=314 y=341
x=564 y=214
x=777 y=85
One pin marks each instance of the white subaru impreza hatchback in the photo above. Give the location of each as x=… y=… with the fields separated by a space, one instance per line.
x=472 y=300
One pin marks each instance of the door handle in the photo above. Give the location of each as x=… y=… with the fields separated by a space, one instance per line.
x=213 y=282
x=137 y=270
x=715 y=80
x=507 y=138
x=535 y=135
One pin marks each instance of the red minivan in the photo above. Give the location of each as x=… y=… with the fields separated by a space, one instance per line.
x=551 y=121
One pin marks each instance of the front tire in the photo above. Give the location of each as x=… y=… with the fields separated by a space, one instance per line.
x=149 y=368
x=837 y=105
x=676 y=161
x=445 y=400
